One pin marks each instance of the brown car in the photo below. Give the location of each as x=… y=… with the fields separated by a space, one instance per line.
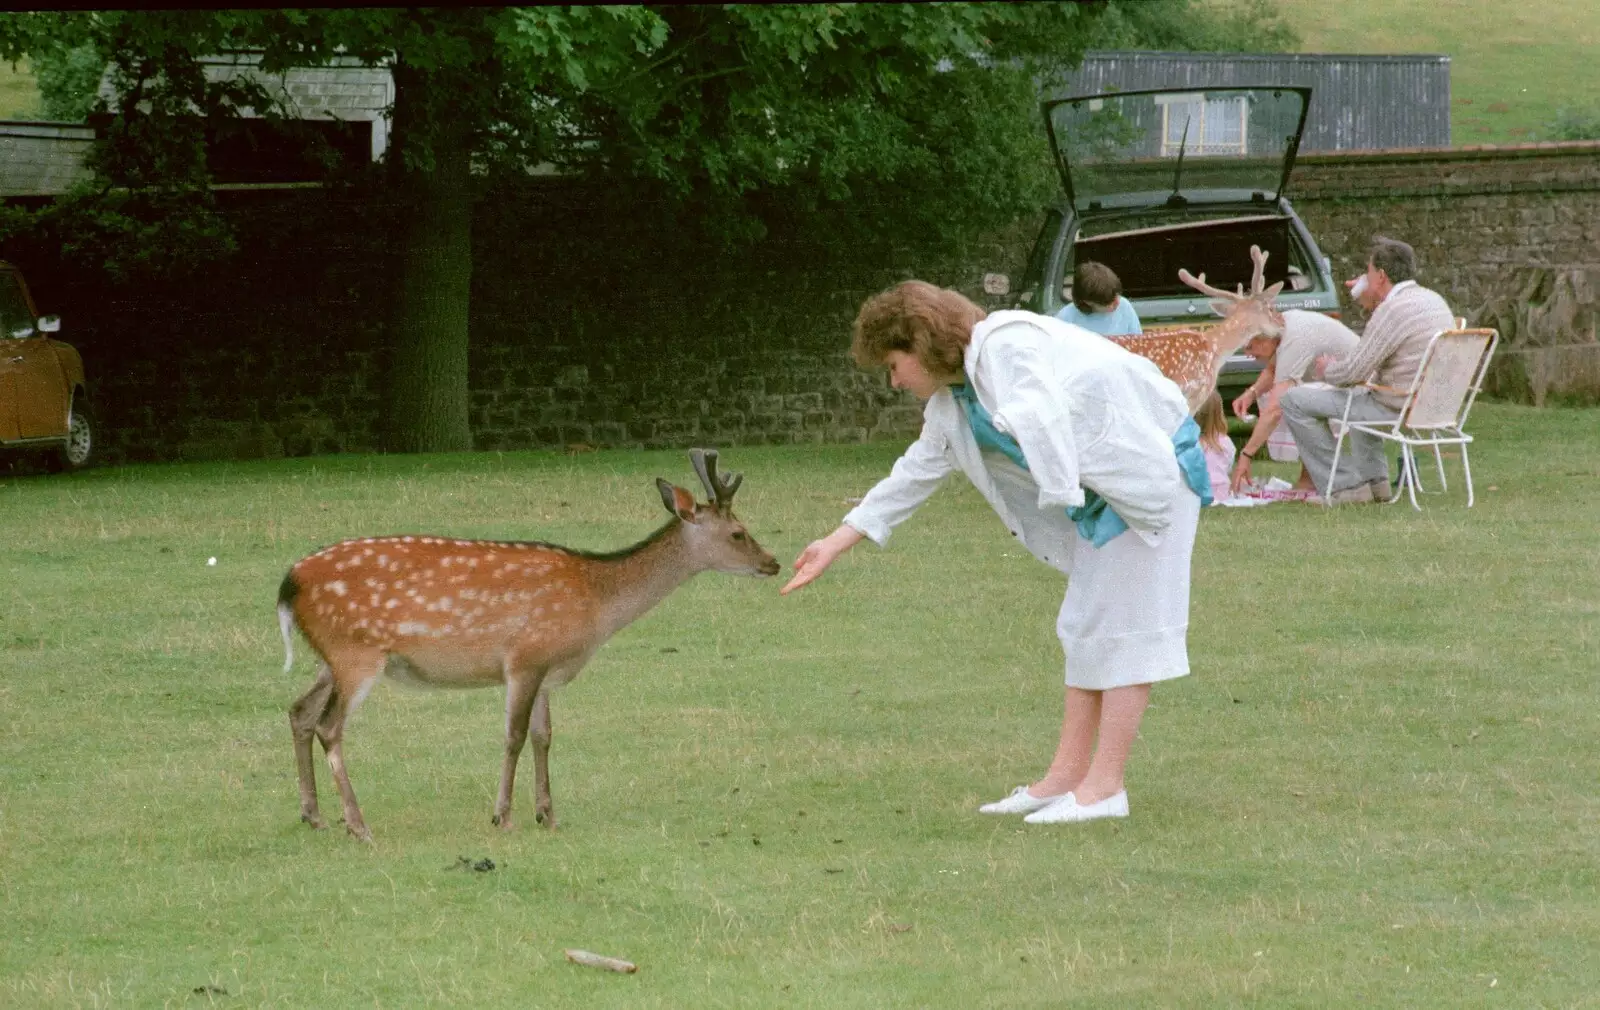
x=44 y=401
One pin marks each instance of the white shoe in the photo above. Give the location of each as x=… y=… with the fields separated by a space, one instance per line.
x=1067 y=810
x=1020 y=802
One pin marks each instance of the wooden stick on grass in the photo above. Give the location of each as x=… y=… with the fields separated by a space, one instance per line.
x=590 y=960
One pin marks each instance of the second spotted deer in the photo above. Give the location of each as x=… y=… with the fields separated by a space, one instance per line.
x=1194 y=358
x=479 y=613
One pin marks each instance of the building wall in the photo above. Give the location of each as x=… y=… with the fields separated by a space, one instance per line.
x=1412 y=90
x=589 y=328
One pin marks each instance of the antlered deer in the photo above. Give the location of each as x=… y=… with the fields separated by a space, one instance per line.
x=1194 y=358
x=476 y=613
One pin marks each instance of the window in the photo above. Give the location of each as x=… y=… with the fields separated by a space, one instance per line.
x=1196 y=124
x=15 y=319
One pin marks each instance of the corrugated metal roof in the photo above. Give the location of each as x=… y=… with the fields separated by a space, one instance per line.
x=42 y=159
x=1358 y=102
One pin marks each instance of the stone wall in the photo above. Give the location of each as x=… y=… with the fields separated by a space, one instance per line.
x=590 y=328
x=1495 y=229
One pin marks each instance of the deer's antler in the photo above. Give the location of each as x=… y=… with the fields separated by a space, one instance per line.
x=719 y=491
x=1200 y=285
x=1258 y=277
x=1258 y=280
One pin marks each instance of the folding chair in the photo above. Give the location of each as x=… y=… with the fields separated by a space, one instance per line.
x=1434 y=412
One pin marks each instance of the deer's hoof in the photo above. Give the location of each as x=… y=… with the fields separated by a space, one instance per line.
x=360 y=832
x=501 y=821
x=547 y=818
x=314 y=821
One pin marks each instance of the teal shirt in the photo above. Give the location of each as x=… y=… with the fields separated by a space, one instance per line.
x=1096 y=521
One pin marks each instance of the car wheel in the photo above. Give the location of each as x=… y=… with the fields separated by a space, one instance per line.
x=79 y=450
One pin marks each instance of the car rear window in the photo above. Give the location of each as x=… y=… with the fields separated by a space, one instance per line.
x=1147 y=260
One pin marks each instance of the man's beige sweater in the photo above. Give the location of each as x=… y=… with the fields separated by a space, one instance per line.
x=1390 y=350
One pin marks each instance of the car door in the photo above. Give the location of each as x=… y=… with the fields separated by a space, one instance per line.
x=35 y=391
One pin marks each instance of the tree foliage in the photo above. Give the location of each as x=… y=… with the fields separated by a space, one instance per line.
x=912 y=119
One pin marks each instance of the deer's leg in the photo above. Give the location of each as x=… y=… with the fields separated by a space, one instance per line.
x=521 y=689
x=543 y=809
x=304 y=715
x=353 y=677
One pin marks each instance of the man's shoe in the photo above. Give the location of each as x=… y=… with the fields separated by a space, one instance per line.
x=1019 y=802
x=1067 y=810
x=1382 y=490
x=1361 y=494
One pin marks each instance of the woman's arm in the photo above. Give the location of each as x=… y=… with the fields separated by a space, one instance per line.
x=1031 y=407
x=1266 y=424
x=915 y=476
x=1266 y=380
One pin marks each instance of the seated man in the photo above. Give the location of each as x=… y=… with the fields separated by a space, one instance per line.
x=1289 y=359
x=1097 y=304
x=1389 y=353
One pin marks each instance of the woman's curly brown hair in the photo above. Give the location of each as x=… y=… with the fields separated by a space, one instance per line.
x=932 y=324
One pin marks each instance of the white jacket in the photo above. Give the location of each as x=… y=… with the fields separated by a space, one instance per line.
x=1086 y=413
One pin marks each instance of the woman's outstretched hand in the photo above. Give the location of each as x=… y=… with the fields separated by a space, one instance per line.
x=818 y=555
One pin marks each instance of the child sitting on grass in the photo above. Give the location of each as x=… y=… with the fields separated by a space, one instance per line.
x=1216 y=445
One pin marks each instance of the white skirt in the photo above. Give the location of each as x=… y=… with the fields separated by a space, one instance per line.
x=1125 y=620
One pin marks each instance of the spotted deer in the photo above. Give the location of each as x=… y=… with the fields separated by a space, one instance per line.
x=477 y=613
x=1194 y=358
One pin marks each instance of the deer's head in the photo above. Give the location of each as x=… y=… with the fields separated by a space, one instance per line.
x=712 y=534
x=1245 y=316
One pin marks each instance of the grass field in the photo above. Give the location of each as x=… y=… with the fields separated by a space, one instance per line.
x=19 y=96
x=1377 y=788
x=1513 y=66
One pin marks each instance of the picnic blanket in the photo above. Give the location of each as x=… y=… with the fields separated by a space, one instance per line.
x=1276 y=489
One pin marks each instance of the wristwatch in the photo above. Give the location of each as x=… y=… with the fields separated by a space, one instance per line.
x=1247 y=455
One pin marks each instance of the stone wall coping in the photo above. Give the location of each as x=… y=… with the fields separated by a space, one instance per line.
x=1470 y=152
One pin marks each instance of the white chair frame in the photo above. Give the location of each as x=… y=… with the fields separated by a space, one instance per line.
x=1412 y=431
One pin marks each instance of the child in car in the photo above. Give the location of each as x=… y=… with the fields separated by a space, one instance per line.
x=1097 y=304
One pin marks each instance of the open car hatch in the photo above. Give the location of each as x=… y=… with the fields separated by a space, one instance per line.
x=1173 y=147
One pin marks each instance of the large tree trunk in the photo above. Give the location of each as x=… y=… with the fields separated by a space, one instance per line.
x=428 y=403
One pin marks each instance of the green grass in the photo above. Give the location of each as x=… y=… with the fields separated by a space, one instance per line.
x=1512 y=65
x=1378 y=787
x=19 y=95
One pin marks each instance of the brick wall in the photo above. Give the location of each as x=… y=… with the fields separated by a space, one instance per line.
x=590 y=327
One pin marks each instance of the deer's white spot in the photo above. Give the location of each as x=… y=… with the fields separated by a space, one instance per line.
x=412 y=628
x=337 y=587
x=390 y=604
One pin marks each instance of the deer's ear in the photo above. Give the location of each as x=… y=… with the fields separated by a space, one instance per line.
x=1272 y=292
x=678 y=501
x=1222 y=308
